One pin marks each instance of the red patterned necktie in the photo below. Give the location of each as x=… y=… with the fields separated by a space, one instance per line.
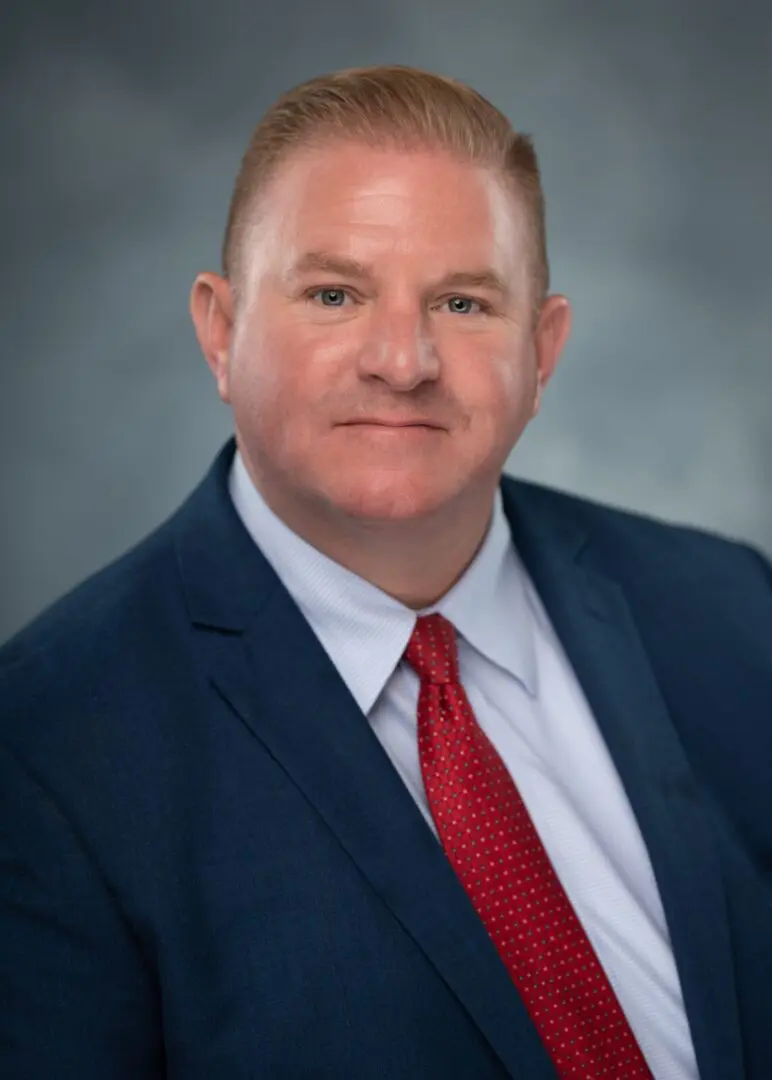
x=491 y=842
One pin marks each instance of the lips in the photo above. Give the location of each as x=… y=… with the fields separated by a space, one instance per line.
x=374 y=422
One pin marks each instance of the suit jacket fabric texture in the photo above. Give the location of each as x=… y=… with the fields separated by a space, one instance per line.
x=209 y=866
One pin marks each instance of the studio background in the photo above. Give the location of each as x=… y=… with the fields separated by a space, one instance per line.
x=122 y=126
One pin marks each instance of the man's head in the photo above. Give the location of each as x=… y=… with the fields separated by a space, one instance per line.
x=382 y=328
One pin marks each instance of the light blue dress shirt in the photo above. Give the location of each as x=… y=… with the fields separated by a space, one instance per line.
x=528 y=701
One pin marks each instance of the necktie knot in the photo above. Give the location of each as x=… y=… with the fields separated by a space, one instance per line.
x=432 y=651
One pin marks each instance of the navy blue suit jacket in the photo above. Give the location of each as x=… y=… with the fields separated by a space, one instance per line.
x=210 y=868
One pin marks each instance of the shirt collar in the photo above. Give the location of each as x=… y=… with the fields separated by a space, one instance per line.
x=363 y=629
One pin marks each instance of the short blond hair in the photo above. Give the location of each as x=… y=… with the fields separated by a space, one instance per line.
x=405 y=107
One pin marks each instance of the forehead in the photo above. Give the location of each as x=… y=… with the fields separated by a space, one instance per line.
x=382 y=201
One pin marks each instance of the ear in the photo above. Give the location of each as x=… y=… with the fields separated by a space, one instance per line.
x=211 y=308
x=552 y=330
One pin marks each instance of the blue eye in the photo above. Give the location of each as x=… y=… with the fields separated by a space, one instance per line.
x=331 y=297
x=461 y=305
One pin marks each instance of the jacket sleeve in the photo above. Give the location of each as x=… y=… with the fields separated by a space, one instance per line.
x=77 y=1000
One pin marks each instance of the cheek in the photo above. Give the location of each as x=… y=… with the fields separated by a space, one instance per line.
x=260 y=382
x=284 y=381
x=513 y=381
x=286 y=356
x=257 y=386
x=498 y=382
x=263 y=367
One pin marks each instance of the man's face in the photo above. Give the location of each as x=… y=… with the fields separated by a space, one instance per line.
x=384 y=358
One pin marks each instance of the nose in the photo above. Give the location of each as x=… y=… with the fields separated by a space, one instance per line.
x=399 y=350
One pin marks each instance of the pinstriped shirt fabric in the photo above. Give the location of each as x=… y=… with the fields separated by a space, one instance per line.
x=527 y=699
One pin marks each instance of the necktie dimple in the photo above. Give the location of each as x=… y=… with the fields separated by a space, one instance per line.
x=493 y=846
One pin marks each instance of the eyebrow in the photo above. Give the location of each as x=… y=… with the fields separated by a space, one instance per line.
x=327 y=263
x=475 y=279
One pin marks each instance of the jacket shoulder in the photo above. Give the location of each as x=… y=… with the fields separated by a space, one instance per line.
x=621 y=535
x=117 y=618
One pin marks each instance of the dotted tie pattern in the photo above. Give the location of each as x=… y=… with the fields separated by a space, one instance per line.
x=491 y=842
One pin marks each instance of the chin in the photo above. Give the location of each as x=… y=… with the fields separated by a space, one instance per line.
x=391 y=496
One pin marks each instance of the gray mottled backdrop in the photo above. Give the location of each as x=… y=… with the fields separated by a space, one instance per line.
x=121 y=128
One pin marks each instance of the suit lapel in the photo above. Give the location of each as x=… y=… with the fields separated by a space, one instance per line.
x=595 y=626
x=282 y=684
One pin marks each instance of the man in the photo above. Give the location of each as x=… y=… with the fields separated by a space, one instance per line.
x=371 y=762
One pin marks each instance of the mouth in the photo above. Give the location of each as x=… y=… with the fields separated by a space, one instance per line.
x=394 y=424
